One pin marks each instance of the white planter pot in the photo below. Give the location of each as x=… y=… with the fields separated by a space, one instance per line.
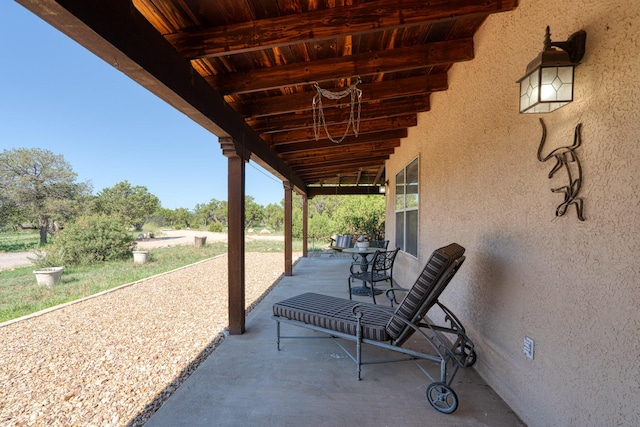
x=48 y=276
x=140 y=257
x=362 y=245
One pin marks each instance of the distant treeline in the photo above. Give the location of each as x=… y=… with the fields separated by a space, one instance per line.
x=38 y=189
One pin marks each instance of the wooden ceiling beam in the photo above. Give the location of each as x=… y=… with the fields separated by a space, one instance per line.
x=345 y=168
x=363 y=64
x=348 y=150
x=338 y=130
x=344 y=177
x=343 y=163
x=326 y=24
x=342 y=170
x=334 y=158
x=345 y=174
x=388 y=89
x=350 y=190
x=349 y=140
x=379 y=176
x=371 y=111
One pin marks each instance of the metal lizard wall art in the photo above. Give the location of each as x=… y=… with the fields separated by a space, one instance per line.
x=567 y=159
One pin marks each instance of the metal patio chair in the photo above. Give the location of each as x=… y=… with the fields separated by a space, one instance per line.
x=382 y=244
x=381 y=270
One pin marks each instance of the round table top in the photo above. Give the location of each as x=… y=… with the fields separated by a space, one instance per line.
x=368 y=250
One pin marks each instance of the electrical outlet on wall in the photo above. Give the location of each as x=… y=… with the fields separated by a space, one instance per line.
x=528 y=347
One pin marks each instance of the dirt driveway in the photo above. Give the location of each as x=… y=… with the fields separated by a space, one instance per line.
x=164 y=238
x=11 y=260
x=186 y=237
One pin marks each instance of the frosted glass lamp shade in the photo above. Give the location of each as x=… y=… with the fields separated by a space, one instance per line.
x=546 y=89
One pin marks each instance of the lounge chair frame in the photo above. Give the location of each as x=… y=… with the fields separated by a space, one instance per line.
x=447 y=345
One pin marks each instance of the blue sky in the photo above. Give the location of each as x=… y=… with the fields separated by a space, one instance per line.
x=56 y=95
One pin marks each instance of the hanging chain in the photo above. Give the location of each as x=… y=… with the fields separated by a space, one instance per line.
x=318 y=111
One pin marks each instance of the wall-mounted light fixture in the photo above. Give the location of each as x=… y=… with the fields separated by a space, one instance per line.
x=383 y=188
x=548 y=82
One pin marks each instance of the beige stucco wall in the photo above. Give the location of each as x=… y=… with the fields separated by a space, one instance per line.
x=574 y=287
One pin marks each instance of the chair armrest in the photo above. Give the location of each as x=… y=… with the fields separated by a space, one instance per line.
x=451 y=318
x=437 y=343
x=391 y=294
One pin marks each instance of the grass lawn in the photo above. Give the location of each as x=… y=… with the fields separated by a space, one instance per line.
x=20 y=294
x=19 y=241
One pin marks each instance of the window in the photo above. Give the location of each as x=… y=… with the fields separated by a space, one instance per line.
x=407 y=208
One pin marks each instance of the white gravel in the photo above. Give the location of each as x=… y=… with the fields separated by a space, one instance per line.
x=114 y=359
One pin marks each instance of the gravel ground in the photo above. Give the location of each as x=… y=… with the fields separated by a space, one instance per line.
x=112 y=360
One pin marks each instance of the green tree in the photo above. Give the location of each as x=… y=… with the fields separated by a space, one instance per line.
x=321 y=227
x=213 y=212
x=253 y=212
x=179 y=217
x=296 y=217
x=40 y=188
x=330 y=215
x=162 y=216
x=361 y=215
x=10 y=215
x=274 y=216
x=183 y=216
x=132 y=204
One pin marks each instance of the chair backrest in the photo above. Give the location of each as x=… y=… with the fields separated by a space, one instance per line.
x=343 y=241
x=435 y=276
x=383 y=261
x=384 y=244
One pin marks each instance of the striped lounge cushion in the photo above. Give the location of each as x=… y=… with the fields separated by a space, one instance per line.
x=408 y=308
x=335 y=314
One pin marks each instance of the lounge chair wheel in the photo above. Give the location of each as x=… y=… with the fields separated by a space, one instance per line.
x=470 y=355
x=442 y=397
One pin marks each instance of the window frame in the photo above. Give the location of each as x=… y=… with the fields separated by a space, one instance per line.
x=407 y=208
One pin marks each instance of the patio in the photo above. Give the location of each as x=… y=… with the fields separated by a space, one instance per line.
x=246 y=381
x=453 y=123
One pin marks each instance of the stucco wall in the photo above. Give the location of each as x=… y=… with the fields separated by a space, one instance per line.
x=572 y=286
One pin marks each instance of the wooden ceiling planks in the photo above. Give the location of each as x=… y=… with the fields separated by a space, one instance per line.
x=264 y=57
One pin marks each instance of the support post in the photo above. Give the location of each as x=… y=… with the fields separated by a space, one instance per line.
x=288 y=258
x=305 y=225
x=236 y=218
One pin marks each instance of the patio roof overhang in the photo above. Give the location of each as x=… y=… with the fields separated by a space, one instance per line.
x=245 y=70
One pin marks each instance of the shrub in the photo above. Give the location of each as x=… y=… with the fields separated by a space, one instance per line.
x=92 y=239
x=215 y=227
x=321 y=226
x=53 y=257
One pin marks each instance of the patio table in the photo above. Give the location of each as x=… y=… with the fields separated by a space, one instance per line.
x=362 y=254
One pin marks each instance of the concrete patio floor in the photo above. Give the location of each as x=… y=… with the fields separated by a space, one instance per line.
x=311 y=382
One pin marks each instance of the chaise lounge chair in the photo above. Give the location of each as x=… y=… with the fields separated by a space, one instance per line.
x=389 y=328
